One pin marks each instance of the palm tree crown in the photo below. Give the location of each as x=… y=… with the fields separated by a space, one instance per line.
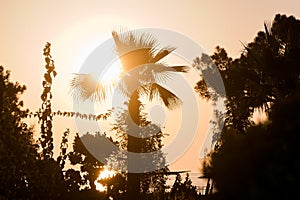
x=135 y=50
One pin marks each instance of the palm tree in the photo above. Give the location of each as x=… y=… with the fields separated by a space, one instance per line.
x=137 y=53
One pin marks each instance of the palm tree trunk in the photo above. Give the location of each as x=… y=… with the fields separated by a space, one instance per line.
x=133 y=179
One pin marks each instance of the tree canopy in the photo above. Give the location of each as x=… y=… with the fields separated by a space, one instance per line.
x=259 y=161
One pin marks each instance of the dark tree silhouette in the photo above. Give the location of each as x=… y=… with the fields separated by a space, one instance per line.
x=24 y=171
x=263 y=162
x=17 y=151
x=152 y=183
x=266 y=72
x=183 y=190
x=89 y=165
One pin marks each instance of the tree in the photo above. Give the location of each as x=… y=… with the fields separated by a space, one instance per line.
x=152 y=183
x=183 y=190
x=17 y=150
x=50 y=182
x=259 y=161
x=27 y=167
x=135 y=51
x=267 y=72
x=263 y=163
x=90 y=166
x=25 y=172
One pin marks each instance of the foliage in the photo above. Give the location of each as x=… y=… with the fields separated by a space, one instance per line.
x=266 y=72
x=185 y=190
x=102 y=116
x=24 y=174
x=89 y=165
x=261 y=163
x=45 y=118
x=61 y=159
x=151 y=182
x=135 y=50
x=116 y=186
x=17 y=151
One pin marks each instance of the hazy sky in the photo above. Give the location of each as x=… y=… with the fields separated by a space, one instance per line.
x=75 y=28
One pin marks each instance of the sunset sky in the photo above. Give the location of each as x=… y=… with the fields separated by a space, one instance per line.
x=75 y=28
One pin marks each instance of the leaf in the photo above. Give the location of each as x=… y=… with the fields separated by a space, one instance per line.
x=48 y=78
x=181 y=68
x=169 y=99
x=161 y=54
x=43 y=97
x=47 y=60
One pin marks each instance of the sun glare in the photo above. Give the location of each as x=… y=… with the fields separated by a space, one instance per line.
x=112 y=73
x=106 y=173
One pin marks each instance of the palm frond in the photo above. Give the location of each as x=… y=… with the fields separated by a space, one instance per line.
x=136 y=49
x=183 y=69
x=169 y=99
x=255 y=58
x=85 y=86
x=122 y=87
x=161 y=73
x=161 y=54
x=133 y=51
x=130 y=41
x=134 y=107
x=162 y=77
x=268 y=35
x=82 y=85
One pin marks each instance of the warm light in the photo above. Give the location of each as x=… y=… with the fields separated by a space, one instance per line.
x=112 y=74
x=106 y=173
x=100 y=187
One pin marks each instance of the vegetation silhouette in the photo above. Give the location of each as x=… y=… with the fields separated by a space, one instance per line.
x=139 y=58
x=25 y=172
x=259 y=161
x=12 y=129
x=29 y=170
x=250 y=161
x=151 y=183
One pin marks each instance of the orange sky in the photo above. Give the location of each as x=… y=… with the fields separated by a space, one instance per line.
x=76 y=27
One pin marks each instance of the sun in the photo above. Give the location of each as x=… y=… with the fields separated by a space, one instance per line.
x=112 y=74
x=106 y=173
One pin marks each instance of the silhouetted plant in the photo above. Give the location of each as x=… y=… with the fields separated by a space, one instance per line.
x=116 y=186
x=25 y=172
x=185 y=190
x=257 y=164
x=17 y=150
x=89 y=165
x=61 y=159
x=46 y=116
x=266 y=72
x=151 y=182
x=134 y=51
